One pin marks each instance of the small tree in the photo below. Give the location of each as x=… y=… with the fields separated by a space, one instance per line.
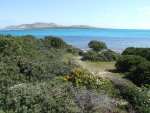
x=97 y=45
x=55 y=41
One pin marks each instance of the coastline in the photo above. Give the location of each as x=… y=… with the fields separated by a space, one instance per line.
x=117 y=40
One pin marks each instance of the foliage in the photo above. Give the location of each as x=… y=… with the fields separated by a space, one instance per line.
x=33 y=61
x=32 y=81
x=81 y=77
x=97 y=45
x=140 y=74
x=137 y=70
x=136 y=67
x=137 y=98
x=9 y=46
x=39 y=98
x=53 y=97
x=126 y=62
x=73 y=50
x=31 y=72
x=29 y=45
x=99 y=52
x=90 y=55
x=143 y=52
x=26 y=59
x=55 y=41
x=107 y=55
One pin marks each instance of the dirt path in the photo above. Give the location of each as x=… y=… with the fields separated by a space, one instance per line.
x=84 y=65
x=101 y=69
x=98 y=71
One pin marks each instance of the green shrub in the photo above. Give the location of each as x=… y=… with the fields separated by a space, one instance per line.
x=137 y=98
x=53 y=97
x=90 y=55
x=25 y=68
x=9 y=46
x=31 y=79
x=29 y=46
x=39 y=98
x=126 y=62
x=81 y=77
x=97 y=45
x=140 y=74
x=143 y=52
x=136 y=67
x=73 y=50
x=25 y=59
x=55 y=41
x=107 y=55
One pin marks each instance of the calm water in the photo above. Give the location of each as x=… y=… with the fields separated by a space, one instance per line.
x=115 y=39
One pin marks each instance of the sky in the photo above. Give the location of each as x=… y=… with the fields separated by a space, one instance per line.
x=124 y=14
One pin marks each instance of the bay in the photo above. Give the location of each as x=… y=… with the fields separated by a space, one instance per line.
x=116 y=39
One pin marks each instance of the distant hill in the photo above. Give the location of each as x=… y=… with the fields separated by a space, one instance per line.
x=42 y=25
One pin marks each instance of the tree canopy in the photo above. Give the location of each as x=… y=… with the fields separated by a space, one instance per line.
x=55 y=41
x=97 y=45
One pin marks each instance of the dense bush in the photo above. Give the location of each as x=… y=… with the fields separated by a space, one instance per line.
x=73 y=50
x=99 y=52
x=53 y=97
x=97 y=45
x=9 y=46
x=138 y=99
x=32 y=78
x=31 y=73
x=107 y=55
x=126 y=62
x=39 y=98
x=81 y=77
x=29 y=46
x=140 y=74
x=26 y=59
x=32 y=52
x=90 y=55
x=137 y=68
x=54 y=41
x=143 y=52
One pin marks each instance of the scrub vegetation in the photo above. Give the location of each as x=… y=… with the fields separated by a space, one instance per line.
x=44 y=76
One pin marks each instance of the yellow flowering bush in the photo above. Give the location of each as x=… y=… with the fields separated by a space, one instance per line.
x=81 y=77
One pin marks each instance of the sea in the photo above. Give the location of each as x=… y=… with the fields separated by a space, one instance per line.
x=116 y=39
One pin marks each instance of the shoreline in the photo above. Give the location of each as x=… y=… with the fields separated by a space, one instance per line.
x=117 y=51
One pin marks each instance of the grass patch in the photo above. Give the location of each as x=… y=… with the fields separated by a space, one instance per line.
x=68 y=56
x=101 y=66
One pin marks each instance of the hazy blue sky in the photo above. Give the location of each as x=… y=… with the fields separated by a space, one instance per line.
x=99 y=13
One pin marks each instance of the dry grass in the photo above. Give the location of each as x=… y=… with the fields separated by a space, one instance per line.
x=101 y=66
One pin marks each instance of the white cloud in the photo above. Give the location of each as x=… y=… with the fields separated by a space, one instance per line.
x=146 y=8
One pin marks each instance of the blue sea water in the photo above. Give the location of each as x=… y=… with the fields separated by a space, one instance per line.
x=116 y=39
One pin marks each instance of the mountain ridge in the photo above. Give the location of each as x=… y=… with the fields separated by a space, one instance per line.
x=43 y=25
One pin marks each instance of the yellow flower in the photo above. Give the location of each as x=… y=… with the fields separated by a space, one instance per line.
x=66 y=78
